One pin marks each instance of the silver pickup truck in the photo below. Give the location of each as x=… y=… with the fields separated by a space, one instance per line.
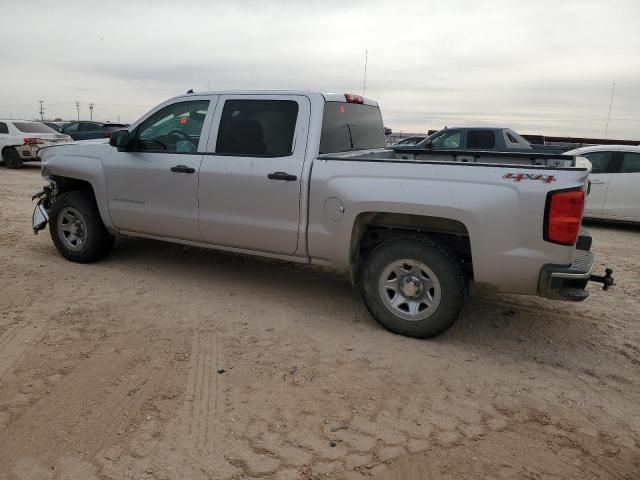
x=304 y=177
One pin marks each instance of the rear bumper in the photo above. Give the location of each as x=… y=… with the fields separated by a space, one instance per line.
x=568 y=282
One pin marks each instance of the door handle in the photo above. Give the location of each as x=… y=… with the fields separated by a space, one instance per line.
x=281 y=176
x=598 y=182
x=182 y=169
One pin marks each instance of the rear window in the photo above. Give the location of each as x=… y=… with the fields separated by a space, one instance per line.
x=351 y=126
x=481 y=140
x=28 y=127
x=599 y=161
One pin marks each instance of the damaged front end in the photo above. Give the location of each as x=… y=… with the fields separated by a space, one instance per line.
x=40 y=216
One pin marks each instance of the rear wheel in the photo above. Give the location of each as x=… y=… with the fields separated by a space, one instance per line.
x=76 y=228
x=413 y=286
x=11 y=158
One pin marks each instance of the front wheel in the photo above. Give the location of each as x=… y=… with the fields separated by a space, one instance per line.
x=413 y=286
x=76 y=228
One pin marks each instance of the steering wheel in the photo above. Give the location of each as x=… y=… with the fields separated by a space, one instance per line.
x=180 y=133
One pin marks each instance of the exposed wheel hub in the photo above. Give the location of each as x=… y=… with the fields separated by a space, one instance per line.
x=411 y=286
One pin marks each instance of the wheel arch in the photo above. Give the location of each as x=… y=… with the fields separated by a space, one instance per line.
x=68 y=184
x=372 y=228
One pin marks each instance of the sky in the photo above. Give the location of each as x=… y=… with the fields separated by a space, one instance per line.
x=537 y=66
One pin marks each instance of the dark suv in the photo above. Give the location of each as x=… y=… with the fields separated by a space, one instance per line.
x=87 y=130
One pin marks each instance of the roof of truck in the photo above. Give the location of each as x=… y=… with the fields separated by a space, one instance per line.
x=328 y=96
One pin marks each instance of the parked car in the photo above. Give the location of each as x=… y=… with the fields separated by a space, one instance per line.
x=21 y=140
x=488 y=139
x=83 y=130
x=57 y=126
x=615 y=182
x=304 y=177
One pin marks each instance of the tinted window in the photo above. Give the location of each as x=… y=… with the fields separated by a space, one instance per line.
x=89 y=127
x=4 y=128
x=630 y=163
x=511 y=138
x=173 y=129
x=481 y=139
x=351 y=126
x=29 y=127
x=257 y=128
x=599 y=161
x=451 y=139
x=70 y=127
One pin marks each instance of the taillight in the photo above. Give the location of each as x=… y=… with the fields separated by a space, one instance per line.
x=351 y=98
x=107 y=134
x=33 y=141
x=563 y=216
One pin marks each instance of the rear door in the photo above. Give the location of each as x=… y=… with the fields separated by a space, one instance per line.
x=249 y=190
x=602 y=164
x=623 y=196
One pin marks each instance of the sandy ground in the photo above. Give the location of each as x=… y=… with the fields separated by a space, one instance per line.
x=168 y=362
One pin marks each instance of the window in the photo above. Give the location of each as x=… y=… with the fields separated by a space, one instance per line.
x=351 y=126
x=173 y=129
x=447 y=139
x=599 y=161
x=630 y=163
x=261 y=128
x=511 y=138
x=70 y=127
x=90 y=127
x=33 y=127
x=4 y=128
x=481 y=139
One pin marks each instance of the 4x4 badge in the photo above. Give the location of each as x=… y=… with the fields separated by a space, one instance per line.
x=518 y=177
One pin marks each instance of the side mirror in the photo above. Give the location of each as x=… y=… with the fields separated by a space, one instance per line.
x=119 y=139
x=429 y=144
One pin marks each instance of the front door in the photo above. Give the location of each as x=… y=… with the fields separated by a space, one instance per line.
x=153 y=186
x=249 y=190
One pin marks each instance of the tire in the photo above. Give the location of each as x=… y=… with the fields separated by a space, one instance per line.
x=11 y=158
x=76 y=228
x=413 y=286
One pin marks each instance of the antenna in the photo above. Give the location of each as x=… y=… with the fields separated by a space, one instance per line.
x=91 y=110
x=606 y=131
x=78 y=109
x=364 y=83
x=41 y=109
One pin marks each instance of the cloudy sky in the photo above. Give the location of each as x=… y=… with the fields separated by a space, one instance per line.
x=537 y=66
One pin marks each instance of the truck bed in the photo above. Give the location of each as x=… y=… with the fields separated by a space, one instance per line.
x=521 y=159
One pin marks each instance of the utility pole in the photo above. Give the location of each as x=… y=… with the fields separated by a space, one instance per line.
x=78 y=109
x=606 y=131
x=41 y=109
x=91 y=111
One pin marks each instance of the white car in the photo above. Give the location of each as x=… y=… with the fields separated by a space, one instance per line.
x=20 y=141
x=615 y=182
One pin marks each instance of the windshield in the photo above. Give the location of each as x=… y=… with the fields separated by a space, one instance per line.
x=33 y=127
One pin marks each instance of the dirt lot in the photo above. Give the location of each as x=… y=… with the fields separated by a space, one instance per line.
x=168 y=362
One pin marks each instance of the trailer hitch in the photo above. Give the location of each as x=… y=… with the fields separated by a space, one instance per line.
x=606 y=279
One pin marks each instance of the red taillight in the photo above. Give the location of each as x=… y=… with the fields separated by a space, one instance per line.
x=564 y=215
x=351 y=98
x=33 y=141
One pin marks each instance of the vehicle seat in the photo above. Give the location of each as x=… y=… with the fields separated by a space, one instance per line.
x=249 y=138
